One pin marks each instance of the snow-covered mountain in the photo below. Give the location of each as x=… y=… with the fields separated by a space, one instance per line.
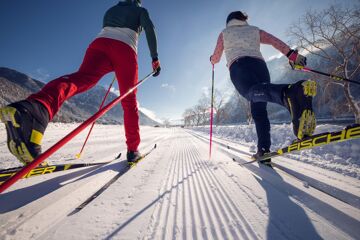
x=15 y=86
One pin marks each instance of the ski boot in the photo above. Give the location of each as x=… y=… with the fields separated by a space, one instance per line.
x=298 y=100
x=133 y=157
x=260 y=153
x=25 y=123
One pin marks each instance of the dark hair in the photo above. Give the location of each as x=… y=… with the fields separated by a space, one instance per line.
x=236 y=15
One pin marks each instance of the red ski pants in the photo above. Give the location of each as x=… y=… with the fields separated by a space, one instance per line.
x=103 y=55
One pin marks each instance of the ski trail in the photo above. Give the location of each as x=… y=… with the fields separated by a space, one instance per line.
x=26 y=207
x=329 y=211
x=122 y=206
x=235 y=217
x=195 y=204
x=178 y=193
x=220 y=214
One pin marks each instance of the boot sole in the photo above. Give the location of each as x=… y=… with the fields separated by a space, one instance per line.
x=310 y=88
x=307 y=121
x=307 y=124
x=15 y=140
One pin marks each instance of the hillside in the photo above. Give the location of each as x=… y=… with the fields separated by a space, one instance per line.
x=15 y=86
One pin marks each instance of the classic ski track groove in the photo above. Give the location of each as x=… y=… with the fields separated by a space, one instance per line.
x=316 y=184
x=226 y=210
x=232 y=209
x=342 y=222
x=191 y=185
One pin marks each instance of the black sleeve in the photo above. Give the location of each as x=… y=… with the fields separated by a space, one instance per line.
x=149 y=28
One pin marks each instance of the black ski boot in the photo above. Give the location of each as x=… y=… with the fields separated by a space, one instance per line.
x=25 y=123
x=298 y=100
x=133 y=157
x=260 y=153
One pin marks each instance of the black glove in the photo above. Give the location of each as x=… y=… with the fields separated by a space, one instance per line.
x=296 y=60
x=156 y=67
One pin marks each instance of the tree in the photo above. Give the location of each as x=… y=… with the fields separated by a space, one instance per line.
x=200 y=113
x=166 y=122
x=333 y=35
x=220 y=112
x=188 y=116
x=219 y=107
x=245 y=106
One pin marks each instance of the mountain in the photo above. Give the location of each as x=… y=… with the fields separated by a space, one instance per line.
x=16 y=86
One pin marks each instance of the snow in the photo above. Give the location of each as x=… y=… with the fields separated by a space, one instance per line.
x=342 y=157
x=178 y=193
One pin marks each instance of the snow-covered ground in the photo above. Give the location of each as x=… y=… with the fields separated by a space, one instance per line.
x=341 y=157
x=178 y=193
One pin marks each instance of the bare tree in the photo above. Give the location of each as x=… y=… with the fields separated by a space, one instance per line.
x=220 y=112
x=189 y=116
x=200 y=113
x=333 y=35
x=166 y=122
x=244 y=105
x=219 y=107
x=203 y=108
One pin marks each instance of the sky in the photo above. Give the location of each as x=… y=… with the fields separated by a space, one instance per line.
x=47 y=39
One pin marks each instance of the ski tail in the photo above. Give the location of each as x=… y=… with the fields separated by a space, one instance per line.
x=47 y=170
x=348 y=133
x=38 y=171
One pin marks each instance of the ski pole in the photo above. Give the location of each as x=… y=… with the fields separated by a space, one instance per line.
x=335 y=77
x=93 y=124
x=212 y=110
x=68 y=137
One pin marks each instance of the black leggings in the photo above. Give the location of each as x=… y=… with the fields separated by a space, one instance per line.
x=251 y=79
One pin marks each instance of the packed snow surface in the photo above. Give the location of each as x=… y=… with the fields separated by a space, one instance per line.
x=177 y=192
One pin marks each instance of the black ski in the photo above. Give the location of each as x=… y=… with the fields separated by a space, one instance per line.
x=111 y=181
x=321 y=139
x=38 y=171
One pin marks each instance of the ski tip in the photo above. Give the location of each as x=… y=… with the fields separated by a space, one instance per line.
x=78 y=155
x=76 y=210
x=118 y=156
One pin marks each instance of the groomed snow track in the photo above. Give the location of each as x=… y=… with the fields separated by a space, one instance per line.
x=178 y=193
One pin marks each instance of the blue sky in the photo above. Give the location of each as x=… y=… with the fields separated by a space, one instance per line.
x=47 y=39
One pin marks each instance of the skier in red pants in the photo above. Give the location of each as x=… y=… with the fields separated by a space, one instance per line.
x=114 y=49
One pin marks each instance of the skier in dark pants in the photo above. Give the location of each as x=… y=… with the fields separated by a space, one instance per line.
x=250 y=76
x=114 y=49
